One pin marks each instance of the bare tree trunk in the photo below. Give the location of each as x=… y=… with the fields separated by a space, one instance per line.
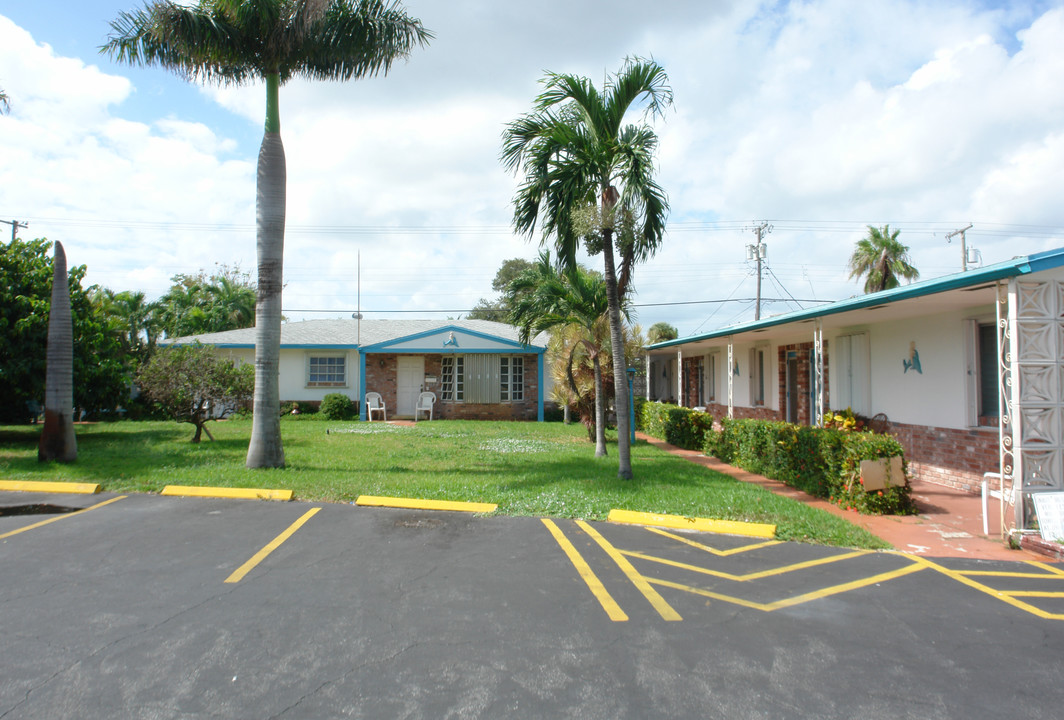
x=57 y=438
x=266 y=449
x=600 y=409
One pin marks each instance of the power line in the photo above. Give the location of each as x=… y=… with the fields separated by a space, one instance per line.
x=638 y=305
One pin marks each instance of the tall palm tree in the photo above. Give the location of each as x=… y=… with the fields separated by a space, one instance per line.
x=883 y=259
x=5 y=104
x=589 y=175
x=543 y=298
x=241 y=41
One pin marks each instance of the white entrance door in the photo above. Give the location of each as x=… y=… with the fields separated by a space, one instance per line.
x=411 y=377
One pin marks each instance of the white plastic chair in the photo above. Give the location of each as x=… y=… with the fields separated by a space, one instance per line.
x=374 y=403
x=425 y=401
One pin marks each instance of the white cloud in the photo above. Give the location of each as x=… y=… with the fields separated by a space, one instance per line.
x=823 y=116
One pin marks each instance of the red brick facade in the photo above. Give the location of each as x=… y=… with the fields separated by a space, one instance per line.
x=382 y=375
x=947 y=456
x=806 y=413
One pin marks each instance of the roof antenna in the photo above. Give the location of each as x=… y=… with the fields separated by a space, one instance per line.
x=357 y=315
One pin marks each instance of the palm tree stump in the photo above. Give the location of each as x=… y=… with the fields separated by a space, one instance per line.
x=57 y=438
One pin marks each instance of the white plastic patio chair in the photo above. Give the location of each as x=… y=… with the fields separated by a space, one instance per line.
x=375 y=404
x=425 y=401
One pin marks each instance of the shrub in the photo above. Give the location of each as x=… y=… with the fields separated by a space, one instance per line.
x=639 y=402
x=336 y=406
x=679 y=426
x=824 y=462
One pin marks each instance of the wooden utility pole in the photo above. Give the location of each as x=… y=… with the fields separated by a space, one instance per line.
x=758 y=252
x=15 y=225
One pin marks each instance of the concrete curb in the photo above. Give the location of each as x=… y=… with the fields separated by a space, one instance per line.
x=220 y=492
x=416 y=504
x=49 y=487
x=679 y=522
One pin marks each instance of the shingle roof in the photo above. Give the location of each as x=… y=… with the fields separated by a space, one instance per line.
x=352 y=333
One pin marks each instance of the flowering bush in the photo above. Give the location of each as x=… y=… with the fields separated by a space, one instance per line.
x=825 y=462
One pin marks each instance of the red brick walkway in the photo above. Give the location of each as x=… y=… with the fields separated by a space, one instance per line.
x=949 y=523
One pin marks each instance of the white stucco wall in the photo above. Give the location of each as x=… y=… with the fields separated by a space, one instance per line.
x=293 y=372
x=939 y=395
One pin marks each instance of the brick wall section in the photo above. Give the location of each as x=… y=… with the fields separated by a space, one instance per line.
x=948 y=456
x=804 y=370
x=719 y=411
x=385 y=381
x=690 y=382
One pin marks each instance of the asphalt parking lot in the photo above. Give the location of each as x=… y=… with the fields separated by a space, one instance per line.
x=157 y=607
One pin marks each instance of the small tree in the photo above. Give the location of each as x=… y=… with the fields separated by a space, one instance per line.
x=191 y=384
x=661 y=332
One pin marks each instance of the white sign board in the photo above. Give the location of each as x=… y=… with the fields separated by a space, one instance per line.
x=1050 y=509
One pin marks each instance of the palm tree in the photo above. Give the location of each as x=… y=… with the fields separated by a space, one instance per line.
x=240 y=41
x=5 y=104
x=57 y=441
x=883 y=258
x=232 y=304
x=543 y=298
x=588 y=175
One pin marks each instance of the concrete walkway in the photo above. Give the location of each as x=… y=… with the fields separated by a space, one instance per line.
x=949 y=523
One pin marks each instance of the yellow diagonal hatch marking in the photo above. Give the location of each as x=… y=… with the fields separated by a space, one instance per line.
x=713 y=550
x=613 y=610
x=652 y=596
x=798 y=599
x=752 y=575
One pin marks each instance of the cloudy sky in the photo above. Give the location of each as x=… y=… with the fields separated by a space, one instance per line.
x=818 y=117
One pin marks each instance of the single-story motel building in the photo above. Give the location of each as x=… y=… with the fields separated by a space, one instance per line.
x=477 y=369
x=967 y=370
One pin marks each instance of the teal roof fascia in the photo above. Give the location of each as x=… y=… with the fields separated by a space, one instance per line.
x=1023 y=265
x=387 y=345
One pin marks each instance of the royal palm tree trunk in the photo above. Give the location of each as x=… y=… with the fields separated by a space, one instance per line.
x=265 y=449
x=620 y=381
x=57 y=437
x=600 y=409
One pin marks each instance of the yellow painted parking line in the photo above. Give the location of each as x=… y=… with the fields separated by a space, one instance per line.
x=49 y=487
x=613 y=610
x=60 y=517
x=652 y=596
x=261 y=555
x=679 y=522
x=416 y=504
x=758 y=575
x=224 y=492
x=1004 y=597
x=1054 y=569
x=1033 y=593
x=713 y=550
x=797 y=599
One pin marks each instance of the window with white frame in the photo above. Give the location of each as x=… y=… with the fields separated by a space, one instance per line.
x=327 y=370
x=758 y=370
x=511 y=378
x=452 y=370
x=984 y=381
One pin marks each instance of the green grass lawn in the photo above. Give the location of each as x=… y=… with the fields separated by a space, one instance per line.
x=540 y=469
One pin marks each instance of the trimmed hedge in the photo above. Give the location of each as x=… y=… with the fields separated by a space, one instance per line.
x=824 y=462
x=679 y=426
